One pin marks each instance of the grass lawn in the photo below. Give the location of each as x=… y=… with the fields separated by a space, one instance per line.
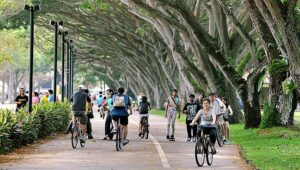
x=270 y=149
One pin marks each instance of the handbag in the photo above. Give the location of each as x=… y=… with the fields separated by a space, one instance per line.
x=90 y=114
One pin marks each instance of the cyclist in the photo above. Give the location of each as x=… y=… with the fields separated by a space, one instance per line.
x=172 y=107
x=207 y=117
x=121 y=105
x=79 y=100
x=144 y=107
x=190 y=109
x=228 y=113
x=219 y=109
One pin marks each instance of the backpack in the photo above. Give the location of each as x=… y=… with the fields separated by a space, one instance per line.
x=119 y=102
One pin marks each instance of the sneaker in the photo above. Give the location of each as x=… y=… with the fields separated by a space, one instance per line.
x=82 y=141
x=194 y=139
x=228 y=142
x=90 y=137
x=125 y=142
x=140 y=134
x=172 y=138
x=168 y=137
x=114 y=131
x=188 y=139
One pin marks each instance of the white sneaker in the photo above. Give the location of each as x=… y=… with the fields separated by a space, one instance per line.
x=114 y=131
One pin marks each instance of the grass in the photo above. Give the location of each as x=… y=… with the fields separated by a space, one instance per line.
x=271 y=149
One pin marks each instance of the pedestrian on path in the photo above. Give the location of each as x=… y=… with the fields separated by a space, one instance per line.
x=21 y=100
x=191 y=108
x=108 y=123
x=45 y=98
x=226 y=115
x=35 y=98
x=172 y=107
x=51 y=96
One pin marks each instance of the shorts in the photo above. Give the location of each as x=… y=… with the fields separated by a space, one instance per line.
x=123 y=119
x=141 y=116
x=82 y=117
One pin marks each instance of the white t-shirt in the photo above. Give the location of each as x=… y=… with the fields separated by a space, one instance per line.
x=216 y=106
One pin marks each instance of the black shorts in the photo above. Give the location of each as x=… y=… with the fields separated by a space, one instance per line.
x=123 y=119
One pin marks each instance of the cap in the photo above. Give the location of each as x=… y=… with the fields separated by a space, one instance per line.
x=82 y=87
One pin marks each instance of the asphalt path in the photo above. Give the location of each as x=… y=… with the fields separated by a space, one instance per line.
x=154 y=153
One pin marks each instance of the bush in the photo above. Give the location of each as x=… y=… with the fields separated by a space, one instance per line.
x=270 y=117
x=22 y=128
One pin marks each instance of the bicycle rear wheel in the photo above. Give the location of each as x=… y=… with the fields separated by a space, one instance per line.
x=146 y=128
x=220 y=136
x=74 y=137
x=199 y=153
x=209 y=154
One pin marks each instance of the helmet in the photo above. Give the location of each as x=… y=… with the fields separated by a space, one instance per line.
x=81 y=87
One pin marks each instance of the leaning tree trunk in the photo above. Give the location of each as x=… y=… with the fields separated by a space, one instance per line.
x=231 y=96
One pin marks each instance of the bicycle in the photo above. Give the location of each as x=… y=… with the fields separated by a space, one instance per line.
x=119 y=136
x=144 y=128
x=77 y=134
x=203 y=147
x=220 y=132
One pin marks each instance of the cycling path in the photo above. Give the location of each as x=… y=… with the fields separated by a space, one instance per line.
x=154 y=153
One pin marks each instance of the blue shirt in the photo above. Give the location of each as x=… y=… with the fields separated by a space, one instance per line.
x=99 y=101
x=121 y=112
x=51 y=98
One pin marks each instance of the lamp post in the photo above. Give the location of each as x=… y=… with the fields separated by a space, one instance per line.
x=63 y=34
x=31 y=9
x=68 y=70
x=71 y=68
x=55 y=24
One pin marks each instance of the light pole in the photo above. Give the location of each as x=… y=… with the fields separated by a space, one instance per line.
x=31 y=9
x=63 y=34
x=68 y=70
x=71 y=68
x=55 y=24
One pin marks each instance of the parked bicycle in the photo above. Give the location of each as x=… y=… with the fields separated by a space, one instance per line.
x=77 y=134
x=144 y=128
x=203 y=147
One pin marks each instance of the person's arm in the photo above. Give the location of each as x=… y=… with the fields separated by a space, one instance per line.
x=149 y=107
x=185 y=109
x=230 y=110
x=90 y=107
x=17 y=100
x=222 y=105
x=129 y=106
x=196 y=118
x=179 y=109
x=214 y=118
x=166 y=114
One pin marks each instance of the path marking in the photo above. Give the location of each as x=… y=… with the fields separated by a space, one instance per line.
x=159 y=149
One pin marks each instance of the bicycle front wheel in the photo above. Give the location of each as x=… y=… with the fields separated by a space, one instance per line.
x=74 y=137
x=199 y=153
x=209 y=154
x=220 y=136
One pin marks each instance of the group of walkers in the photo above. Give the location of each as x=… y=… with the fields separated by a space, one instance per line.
x=22 y=99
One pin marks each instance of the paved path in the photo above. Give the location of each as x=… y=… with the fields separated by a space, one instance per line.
x=154 y=153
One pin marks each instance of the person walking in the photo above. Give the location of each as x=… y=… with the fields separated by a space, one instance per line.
x=108 y=123
x=191 y=108
x=45 y=98
x=51 y=96
x=226 y=115
x=172 y=107
x=21 y=100
x=35 y=98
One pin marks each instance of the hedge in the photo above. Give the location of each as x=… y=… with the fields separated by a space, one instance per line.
x=22 y=128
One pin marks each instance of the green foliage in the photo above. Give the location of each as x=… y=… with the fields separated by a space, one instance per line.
x=278 y=66
x=288 y=85
x=242 y=65
x=21 y=128
x=268 y=149
x=260 y=53
x=270 y=116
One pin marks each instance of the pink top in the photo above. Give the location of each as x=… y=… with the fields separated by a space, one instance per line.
x=35 y=100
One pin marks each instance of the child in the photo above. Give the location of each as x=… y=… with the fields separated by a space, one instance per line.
x=190 y=109
x=144 y=107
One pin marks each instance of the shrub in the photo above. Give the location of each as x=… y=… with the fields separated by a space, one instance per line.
x=22 y=128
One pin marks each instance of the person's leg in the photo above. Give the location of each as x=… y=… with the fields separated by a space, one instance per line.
x=69 y=128
x=188 y=128
x=213 y=135
x=140 y=125
x=114 y=123
x=227 y=131
x=173 y=119
x=83 y=122
x=169 y=116
x=107 y=124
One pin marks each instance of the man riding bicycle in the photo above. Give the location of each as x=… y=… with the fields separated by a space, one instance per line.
x=79 y=100
x=208 y=120
x=121 y=104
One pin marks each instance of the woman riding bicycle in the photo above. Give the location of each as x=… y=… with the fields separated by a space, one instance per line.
x=208 y=120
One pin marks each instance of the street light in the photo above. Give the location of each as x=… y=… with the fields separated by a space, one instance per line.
x=31 y=8
x=63 y=34
x=55 y=24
